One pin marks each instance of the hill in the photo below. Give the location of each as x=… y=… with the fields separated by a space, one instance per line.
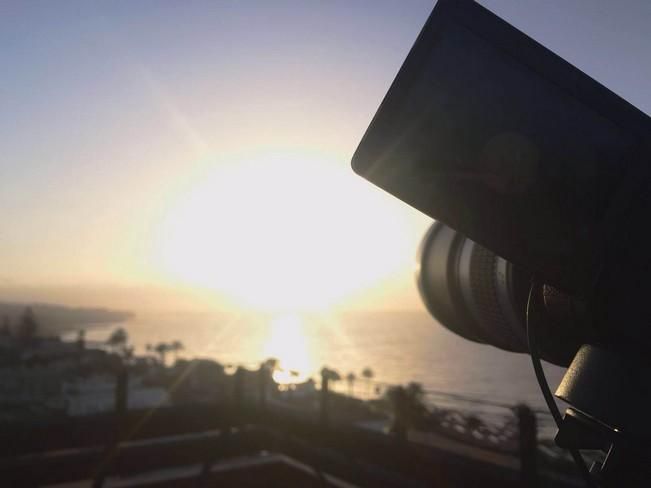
x=55 y=319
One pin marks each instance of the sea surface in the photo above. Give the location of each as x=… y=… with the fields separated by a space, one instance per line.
x=399 y=347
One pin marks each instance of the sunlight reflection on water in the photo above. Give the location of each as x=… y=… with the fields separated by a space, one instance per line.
x=399 y=347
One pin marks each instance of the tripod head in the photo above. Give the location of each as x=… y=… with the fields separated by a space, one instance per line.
x=609 y=391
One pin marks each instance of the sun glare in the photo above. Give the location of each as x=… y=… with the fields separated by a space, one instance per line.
x=282 y=232
x=288 y=343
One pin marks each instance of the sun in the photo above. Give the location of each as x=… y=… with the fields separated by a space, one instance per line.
x=281 y=231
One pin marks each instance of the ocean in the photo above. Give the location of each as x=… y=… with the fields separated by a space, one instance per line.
x=399 y=347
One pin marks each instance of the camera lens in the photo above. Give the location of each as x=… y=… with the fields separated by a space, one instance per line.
x=472 y=291
x=482 y=297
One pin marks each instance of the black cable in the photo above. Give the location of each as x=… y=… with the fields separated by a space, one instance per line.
x=544 y=386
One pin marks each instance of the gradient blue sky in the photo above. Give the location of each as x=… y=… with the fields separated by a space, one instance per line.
x=110 y=110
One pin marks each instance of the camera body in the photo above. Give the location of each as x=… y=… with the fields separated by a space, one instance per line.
x=489 y=132
x=535 y=173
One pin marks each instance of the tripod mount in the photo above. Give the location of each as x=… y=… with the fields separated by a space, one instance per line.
x=609 y=393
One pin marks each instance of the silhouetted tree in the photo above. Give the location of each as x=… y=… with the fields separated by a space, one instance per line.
x=271 y=364
x=117 y=341
x=330 y=374
x=415 y=391
x=81 y=342
x=367 y=374
x=162 y=348
x=175 y=347
x=408 y=407
x=27 y=327
x=350 y=378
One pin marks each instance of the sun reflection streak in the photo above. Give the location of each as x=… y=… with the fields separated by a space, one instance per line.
x=289 y=344
x=333 y=324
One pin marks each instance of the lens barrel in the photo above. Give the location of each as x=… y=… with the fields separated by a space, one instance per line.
x=472 y=291
x=483 y=297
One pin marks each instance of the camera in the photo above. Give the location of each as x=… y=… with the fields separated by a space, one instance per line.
x=482 y=297
x=539 y=180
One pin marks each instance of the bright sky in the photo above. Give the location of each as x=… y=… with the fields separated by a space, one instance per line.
x=206 y=145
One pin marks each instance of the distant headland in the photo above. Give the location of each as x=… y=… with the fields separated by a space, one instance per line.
x=56 y=319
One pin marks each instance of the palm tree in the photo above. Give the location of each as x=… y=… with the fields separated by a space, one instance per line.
x=330 y=375
x=334 y=375
x=81 y=340
x=367 y=373
x=117 y=341
x=350 y=378
x=27 y=327
x=128 y=353
x=162 y=348
x=271 y=364
x=408 y=407
x=415 y=392
x=175 y=347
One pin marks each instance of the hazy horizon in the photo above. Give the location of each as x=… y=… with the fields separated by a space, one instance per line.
x=388 y=295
